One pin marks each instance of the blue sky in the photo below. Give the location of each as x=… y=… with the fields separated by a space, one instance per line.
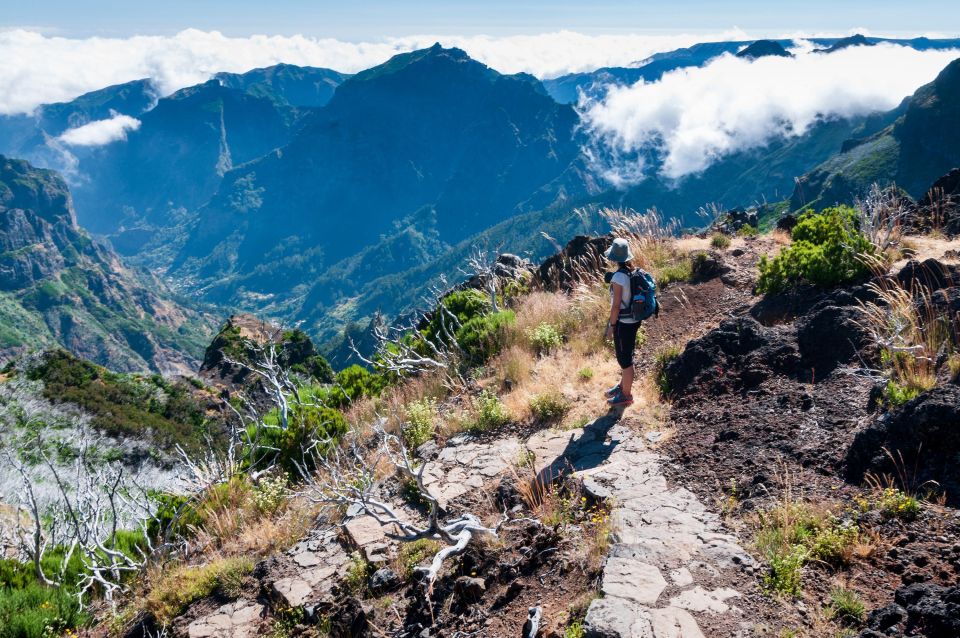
x=374 y=19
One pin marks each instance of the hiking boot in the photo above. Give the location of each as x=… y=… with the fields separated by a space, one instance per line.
x=620 y=400
x=612 y=392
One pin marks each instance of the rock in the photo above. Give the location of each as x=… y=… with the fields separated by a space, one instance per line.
x=617 y=618
x=932 y=609
x=930 y=274
x=632 y=579
x=702 y=600
x=735 y=219
x=940 y=206
x=886 y=617
x=738 y=353
x=830 y=335
x=469 y=589
x=348 y=620
x=369 y=537
x=708 y=265
x=240 y=619
x=924 y=431
x=384 y=580
x=428 y=451
x=787 y=223
x=465 y=465
x=563 y=271
x=292 y=591
x=673 y=622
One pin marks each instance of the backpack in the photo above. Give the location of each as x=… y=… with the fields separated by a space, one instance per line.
x=643 y=291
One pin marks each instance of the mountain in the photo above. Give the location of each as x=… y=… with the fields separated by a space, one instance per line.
x=857 y=40
x=287 y=84
x=417 y=153
x=922 y=144
x=59 y=287
x=33 y=136
x=764 y=48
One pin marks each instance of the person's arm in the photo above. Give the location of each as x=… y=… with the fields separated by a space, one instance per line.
x=614 y=309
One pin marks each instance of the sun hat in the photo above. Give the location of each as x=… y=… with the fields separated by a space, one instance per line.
x=619 y=251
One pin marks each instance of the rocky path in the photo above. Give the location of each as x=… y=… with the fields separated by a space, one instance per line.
x=670 y=572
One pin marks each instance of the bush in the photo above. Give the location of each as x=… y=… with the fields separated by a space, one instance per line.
x=719 y=240
x=38 y=611
x=827 y=250
x=270 y=493
x=357 y=573
x=896 y=394
x=785 y=571
x=421 y=422
x=585 y=374
x=307 y=424
x=747 y=231
x=464 y=305
x=544 y=338
x=180 y=586
x=490 y=413
x=846 y=606
x=894 y=503
x=412 y=555
x=354 y=383
x=483 y=337
x=549 y=406
x=661 y=360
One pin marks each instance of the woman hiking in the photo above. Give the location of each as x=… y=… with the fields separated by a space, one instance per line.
x=622 y=326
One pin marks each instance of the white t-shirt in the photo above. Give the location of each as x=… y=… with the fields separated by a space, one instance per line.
x=623 y=279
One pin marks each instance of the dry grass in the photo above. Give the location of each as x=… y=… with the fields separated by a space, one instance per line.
x=173 y=589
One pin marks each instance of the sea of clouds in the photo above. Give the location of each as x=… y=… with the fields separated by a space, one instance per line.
x=687 y=120
x=39 y=69
x=692 y=117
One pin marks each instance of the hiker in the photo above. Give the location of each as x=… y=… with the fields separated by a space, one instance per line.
x=632 y=299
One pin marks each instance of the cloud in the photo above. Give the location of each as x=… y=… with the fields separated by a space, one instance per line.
x=692 y=117
x=100 y=132
x=39 y=69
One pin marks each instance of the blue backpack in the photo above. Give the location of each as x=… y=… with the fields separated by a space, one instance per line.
x=643 y=291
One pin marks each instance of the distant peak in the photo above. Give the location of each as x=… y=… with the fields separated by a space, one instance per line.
x=856 y=40
x=764 y=48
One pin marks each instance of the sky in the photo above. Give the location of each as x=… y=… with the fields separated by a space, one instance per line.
x=355 y=20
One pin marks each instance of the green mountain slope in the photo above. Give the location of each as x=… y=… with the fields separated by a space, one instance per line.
x=920 y=146
x=59 y=287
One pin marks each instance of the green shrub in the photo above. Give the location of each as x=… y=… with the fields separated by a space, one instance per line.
x=833 y=543
x=846 y=606
x=747 y=231
x=545 y=337
x=894 y=503
x=677 y=272
x=575 y=630
x=180 y=586
x=585 y=374
x=490 y=413
x=38 y=611
x=270 y=493
x=549 y=406
x=482 y=337
x=720 y=241
x=826 y=251
x=307 y=424
x=357 y=572
x=785 y=570
x=896 y=394
x=412 y=555
x=464 y=305
x=421 y=422
x=354 y=383
x=661 y=360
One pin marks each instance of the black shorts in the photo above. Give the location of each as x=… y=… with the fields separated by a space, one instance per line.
x=624 y=342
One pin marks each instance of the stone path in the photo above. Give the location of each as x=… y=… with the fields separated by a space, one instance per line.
x=668 y=564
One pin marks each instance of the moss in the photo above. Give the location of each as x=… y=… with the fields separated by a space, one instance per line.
x=180 y=586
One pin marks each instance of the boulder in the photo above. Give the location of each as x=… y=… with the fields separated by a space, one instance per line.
x=235 y=620
x=924 y=431
x=831 y=335
x=563 y=270
x=384 y=580
x=931 y=609
x=617 y=618
x=469 y=589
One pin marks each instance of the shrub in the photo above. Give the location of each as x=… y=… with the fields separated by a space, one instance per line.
x=833 y=544
x=846 y=606
x=896 y=394
x=490 y=413
x=180 y=586
x=747 y=231
x=483 y=337
x=354 y=383
x=720 y=241
x=894 y=503
x=270 y=493
x=544 y=338
x=412 y=555
x=661 y=360
x=575 y=630
x=680 y=271
x=785 y=571
x=357 y=572
x=462 y=304
x=421 y=422
x=38 y=611
x=307 y=424
x=585 y=374
x=827 y=250
x=549 y=406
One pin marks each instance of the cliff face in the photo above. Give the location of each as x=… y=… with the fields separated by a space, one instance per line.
x=59 y=287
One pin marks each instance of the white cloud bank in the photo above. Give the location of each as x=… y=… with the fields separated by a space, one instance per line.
x=100 y=132
x=39 y=69
x=692 y=117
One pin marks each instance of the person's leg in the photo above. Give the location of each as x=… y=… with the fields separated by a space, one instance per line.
x=629 y=344
x=626 y=381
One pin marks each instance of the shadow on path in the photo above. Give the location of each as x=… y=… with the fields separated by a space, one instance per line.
x=588 y=450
